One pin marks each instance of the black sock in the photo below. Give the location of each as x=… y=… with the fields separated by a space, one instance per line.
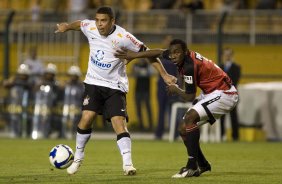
x=191 y=141
x=202 y=161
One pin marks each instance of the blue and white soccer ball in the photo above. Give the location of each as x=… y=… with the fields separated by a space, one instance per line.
x=61 y=156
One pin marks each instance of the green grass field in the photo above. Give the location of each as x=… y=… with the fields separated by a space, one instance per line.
x=26 y=161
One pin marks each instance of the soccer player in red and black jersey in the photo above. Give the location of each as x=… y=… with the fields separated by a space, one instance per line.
x=218 y=97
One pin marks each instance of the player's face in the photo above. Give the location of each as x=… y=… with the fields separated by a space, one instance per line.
x=104 y=23
x=176 y=54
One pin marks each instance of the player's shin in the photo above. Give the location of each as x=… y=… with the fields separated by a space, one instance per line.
x=191 y=140
x=82 y=138
x=124 y=145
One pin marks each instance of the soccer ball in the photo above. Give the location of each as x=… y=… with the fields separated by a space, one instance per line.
x=61 y=156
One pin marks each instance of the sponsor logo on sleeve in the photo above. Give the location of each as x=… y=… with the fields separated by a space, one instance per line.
x=133 y=40
x=84 y=24
x=188 y=79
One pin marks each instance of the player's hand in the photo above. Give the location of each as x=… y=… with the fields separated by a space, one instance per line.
x=169 y=79
x=172 y=89
x=125 y=54
x=62 y=27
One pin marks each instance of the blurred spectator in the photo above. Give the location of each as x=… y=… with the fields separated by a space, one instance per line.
x=35 y=65
x=266 y=4
x=19 y=87
x=47 y=105
x=78 y=9
x=73 y=94
x=35 y=11
x=142 y=71
x=233 y=70
x=164 y=100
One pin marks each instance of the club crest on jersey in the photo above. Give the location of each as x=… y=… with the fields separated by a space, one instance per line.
x=86 y=100
x=115 y=43
x=188 y=79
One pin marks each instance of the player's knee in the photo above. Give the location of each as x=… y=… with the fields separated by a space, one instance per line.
x=191 y=117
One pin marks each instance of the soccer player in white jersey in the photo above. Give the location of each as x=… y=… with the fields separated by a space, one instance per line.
x=106 y=82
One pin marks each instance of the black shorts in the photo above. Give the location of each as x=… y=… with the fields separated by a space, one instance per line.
x=106 y=101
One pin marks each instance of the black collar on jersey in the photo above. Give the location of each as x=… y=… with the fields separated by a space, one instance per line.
x=185 y=59
x=112 y=30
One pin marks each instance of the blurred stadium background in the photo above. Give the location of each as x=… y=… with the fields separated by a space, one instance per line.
x=253 y=33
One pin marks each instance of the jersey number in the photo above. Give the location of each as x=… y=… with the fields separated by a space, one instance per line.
x=202 y=58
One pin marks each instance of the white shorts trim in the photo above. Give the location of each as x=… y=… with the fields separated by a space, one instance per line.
x=213 y=105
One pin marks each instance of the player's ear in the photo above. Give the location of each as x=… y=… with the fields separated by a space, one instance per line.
x=113 y=21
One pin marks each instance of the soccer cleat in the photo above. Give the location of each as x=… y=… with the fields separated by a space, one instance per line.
x=129 y=170
x=185 y=172
x=73 y=168
x=205 y=168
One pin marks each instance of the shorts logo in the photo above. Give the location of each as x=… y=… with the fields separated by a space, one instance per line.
x=86 y=100
x=98 y=57
x=188 y=79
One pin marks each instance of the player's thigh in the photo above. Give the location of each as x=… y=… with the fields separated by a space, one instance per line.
x=213 y=106
x=87 y=118
x=93 y=100
x=115 y=105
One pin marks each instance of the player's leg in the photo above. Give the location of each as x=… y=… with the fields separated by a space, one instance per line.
x=115 y=110
x=84 y=130
x=124 y=144
x=190 y=134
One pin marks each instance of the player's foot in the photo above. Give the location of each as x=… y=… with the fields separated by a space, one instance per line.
x=185 y=172
x=129 y=170
x=73 y=168
x=205 y=168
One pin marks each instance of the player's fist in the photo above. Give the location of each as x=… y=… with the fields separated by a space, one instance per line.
x=62 y=27
x=169 y=79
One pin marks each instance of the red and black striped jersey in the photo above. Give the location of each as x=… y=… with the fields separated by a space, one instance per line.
x=204 y=73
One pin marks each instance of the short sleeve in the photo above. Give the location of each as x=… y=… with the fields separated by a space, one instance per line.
x=84 y=24
x=132 y=43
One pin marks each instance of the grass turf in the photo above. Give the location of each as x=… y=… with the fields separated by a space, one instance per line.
x=26 y=161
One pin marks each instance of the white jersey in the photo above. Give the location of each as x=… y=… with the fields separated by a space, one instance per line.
x=104 y=69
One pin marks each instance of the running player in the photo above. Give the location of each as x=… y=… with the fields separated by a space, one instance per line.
x=218 y=97
x=106 y=82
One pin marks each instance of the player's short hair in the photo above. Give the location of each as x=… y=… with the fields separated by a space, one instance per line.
x=106 y=10
x=180 y=42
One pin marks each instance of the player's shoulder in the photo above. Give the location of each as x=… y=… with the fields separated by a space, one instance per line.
x=120 y=32
x=87 y=22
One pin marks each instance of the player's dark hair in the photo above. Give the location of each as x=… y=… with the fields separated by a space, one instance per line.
x=180 y=42
x=106 y=10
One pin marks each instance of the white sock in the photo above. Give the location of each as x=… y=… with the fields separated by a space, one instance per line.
x=81 y=140
x=124 y=145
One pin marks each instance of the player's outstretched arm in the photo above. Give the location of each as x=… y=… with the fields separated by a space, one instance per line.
x=63 y=27
x=152 y=56
x=130 y=55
